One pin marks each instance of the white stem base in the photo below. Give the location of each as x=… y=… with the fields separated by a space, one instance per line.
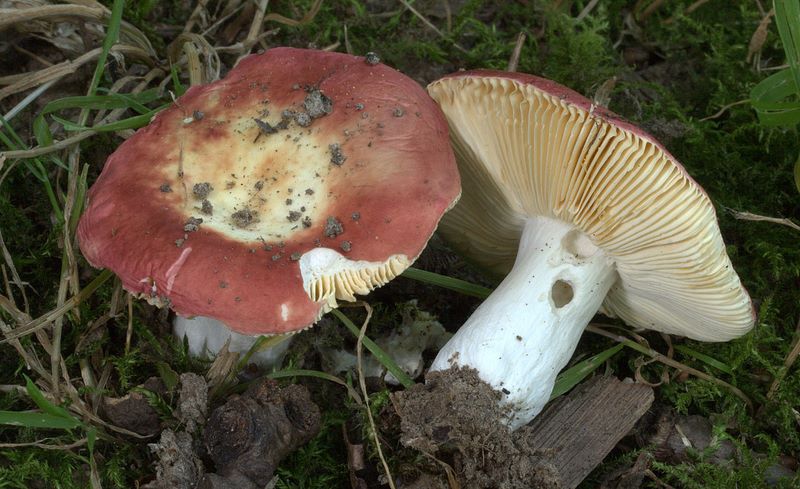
x=525 y=332
x=206 y=336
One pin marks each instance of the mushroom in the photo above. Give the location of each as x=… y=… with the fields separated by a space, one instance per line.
x=263 y=199
x=583 y=212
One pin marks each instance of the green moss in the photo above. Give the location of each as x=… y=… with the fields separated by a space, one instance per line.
x=321 y=463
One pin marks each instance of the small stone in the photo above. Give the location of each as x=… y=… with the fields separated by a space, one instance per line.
x=372 y=58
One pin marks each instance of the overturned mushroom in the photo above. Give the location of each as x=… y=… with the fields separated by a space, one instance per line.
x=583 y=212
x=255 y=231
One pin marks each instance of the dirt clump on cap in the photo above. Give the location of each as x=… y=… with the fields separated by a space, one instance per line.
x=456 y=417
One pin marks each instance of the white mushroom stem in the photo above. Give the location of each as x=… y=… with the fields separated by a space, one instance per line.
x=525 y=332
x=207 y=336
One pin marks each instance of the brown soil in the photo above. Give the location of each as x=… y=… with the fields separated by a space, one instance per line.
x=456 y=418
x=250 y=434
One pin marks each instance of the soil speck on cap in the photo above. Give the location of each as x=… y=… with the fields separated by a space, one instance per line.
x=288 y=201
x=206 y=207
x=337 y=157
x=317 y=104
x=179 y=242
x=309 y=191
x=165 y=188
x=372 y=58
x=259 y=185
x=456 y=416
x=307 y=222
x=294 y=256
x=398 y=112
x=198 y=115
x=193 y=224
x=359 y=106
x=293 y=216
x=356 y=216
x=243 y=218
x=201 y=190
x=346 y=245
x=333 y=227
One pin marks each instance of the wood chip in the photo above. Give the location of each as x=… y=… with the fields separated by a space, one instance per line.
x=578 y=430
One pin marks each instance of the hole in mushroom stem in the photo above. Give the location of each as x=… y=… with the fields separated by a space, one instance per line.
x=578 y=244
x=561 y=293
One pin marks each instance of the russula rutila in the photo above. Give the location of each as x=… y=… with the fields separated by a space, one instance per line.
x=300 y=179
x=583 y=212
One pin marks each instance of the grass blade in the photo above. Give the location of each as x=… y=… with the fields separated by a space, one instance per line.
x=446 y=282
x=376 y=351
x=573 y=376
x=112 y=35
x=47 y=406
x=134 y=122
x=787 y=18
x=713 y=362
x=30 y=419
x=104 y=102
x=770 y=99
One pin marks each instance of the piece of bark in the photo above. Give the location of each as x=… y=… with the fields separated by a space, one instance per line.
x=578 y=430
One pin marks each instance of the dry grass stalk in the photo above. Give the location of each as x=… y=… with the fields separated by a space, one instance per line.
x=600 y=329
x=758 y=39
x=20 y=83
x=430 y=24
x=46 y=446
x=749 y=216
x=363 y=385
x=55 y=13
x=513 y=61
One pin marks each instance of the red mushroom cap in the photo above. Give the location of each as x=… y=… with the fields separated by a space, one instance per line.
x=301 y=177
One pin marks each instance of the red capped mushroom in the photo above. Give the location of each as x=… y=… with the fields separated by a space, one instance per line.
x=300 y=179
